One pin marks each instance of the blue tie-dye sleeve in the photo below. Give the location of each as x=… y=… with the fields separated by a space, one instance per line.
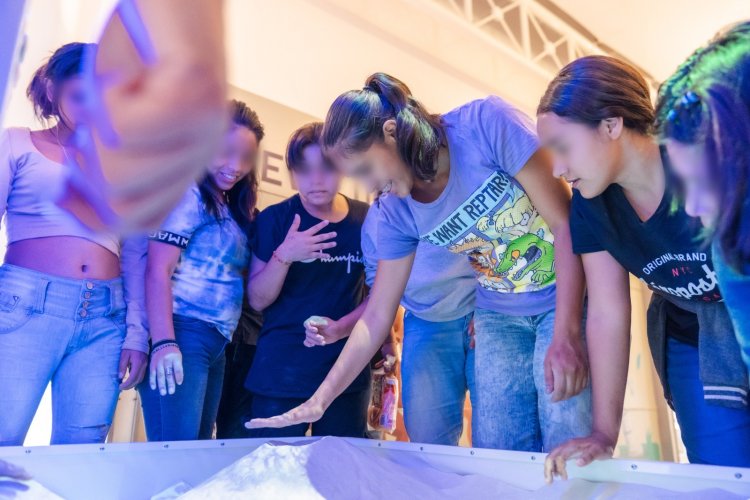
x=180 y=225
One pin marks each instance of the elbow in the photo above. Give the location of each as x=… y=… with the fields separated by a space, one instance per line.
x=257 y=302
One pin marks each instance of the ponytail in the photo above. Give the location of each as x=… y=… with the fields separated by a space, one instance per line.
x=65 y=63
x=355 y=121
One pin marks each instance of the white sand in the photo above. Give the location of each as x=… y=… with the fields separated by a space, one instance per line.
x=331 y=468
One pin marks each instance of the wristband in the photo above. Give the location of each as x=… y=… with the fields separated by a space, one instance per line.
x=163 y=342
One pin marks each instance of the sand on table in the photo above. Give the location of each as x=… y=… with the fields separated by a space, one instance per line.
x=332 y=468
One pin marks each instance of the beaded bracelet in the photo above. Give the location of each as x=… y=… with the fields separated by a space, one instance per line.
x=163 y=342
x=163 y=345
x=285 y=262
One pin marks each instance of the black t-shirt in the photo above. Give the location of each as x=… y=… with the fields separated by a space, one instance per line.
x=283 y=366
x=666 y=252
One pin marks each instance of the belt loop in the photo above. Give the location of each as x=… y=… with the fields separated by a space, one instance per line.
x=41 y=295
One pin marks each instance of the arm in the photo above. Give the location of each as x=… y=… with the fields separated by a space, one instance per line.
x=267 y=278
x=368 y=335
x=608 y=341
x=166 y=363
x=133 y=358
x=566 y=369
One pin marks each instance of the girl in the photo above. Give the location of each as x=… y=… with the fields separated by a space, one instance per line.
x=62 y=313
x=597 y=118
x=466 y=181
x=704 y=117
x=194 y=288
x=307 y=261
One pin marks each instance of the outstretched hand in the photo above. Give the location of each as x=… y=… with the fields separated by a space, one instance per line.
x=307 y=412
x=585 y=450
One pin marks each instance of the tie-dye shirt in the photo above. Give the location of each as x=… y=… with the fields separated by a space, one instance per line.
x=208 y=281
x=483 y=212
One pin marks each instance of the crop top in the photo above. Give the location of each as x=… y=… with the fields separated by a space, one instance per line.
x=30 y=184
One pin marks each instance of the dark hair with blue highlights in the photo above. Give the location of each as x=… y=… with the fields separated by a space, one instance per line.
x=64 y=64
x=707 y=102
x=355 y=121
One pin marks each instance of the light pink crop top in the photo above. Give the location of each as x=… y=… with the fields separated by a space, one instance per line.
x=30 y=183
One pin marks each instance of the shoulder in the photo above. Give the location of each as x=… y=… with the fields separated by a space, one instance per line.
x=478 y=108
x=14 y=140
x=276 y=214
x=358 y=210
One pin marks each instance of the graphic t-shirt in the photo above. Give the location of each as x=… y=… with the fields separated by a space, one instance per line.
x=283 y=367
x=441 y=284
x=666 y=252
x=207 y=283
x=483 y=212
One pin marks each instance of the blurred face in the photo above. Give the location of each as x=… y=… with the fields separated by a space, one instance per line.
x=70 y=96
x=379 y=168
x=236 y=159
x=689 y=163
x=316 y=179
x=586 y=157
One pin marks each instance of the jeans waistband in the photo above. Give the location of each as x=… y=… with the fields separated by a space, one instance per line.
x=63 y=297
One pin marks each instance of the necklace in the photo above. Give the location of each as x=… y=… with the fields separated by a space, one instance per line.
x=65 y=151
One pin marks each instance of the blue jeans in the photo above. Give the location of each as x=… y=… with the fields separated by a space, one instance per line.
x=514 y=410
x=712 y=434
x=189 y=413
x=346 y=417
x=65 y=331
x=436 y=370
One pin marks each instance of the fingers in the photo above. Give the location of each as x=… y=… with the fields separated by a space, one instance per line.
x=179 y=373
x=313 y=338
x=560 y=388
x=323 y=246
x=317 y=227
x=152 y=377
x=549 y=378
x=13 y=471
x=272 y=423
x=161 y=377
x=318 y=238
x=295 y=224
x=123 y=367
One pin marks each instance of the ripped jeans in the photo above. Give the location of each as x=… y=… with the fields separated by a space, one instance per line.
x=65 y=331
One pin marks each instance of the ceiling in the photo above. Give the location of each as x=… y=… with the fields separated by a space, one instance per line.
x=655 y=34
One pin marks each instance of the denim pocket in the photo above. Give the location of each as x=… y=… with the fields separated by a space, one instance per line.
x=13 y=314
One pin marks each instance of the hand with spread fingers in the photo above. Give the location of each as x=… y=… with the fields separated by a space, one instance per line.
x=584 y=450
x=308 y=412
x=305 y=245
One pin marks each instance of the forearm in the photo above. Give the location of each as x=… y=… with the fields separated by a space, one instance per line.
x=570 y=282
x=265 y=286
x=367 y=336
x=346 y=323
x=370 y=331
x=132 y=269
x=609 y=351
x=159 y=306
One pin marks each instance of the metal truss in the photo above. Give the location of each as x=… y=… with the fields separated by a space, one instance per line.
x=529 y=30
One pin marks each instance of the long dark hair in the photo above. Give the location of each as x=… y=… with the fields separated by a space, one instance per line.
x=594 y=88
x=709 y=103
x=64 y=64
x=355 y=121
x=243 y=197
